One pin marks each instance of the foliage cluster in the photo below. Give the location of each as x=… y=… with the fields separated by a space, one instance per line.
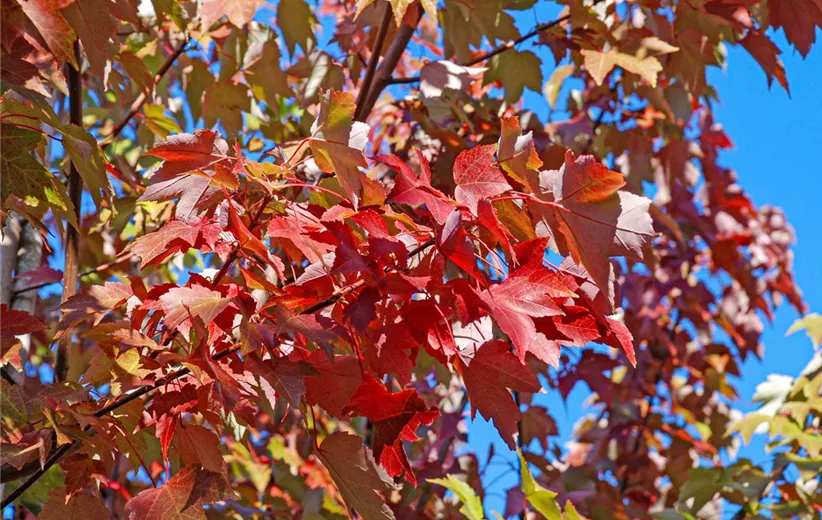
x=308 y=238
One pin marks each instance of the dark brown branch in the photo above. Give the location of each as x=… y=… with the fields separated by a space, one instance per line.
x=143 y=97
x=146 y=389
x=392 y=57
x=75 y=191
x=372 y=62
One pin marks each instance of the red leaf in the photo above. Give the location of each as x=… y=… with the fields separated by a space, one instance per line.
x=16 y=323
x=488 y=373
x=181 y=497
x=80 y=506
x=396 y=418
x=527 y=294
x=335 y=382
x=182 y=303
x=154 y=247
x=592 y=220
x=800 y=29
x=412 y=191
x=357 y=476
x=477 y=177
x=453 y=242
x=98 y=301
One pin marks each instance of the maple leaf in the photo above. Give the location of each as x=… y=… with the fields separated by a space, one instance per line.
x=12 y=402
x=183 y=303
x=455 y=245
x=396 y=418
x=471 y=503
x=97 y=301
x=15 y=323
x=358 y=477
x=592 y=219
x=599 y=64
x=526 y=294
x=488 y=372
x=412 y=191
x=96 y=29
x=262 y=67
x=86 y=156
x=517 y=154
x=188 y=164
x=799 y=29
x=239 y=13
x=182 y=497
x=516 y=70
x=78 y=506
x=286 y=377
x=295 y=19
x=767 y=54
x=318 y=329
x=338 y=142
x=477 y=177
x=25 y=177
x=53 y=27
x=198 y=445
x=154 y=247
x=226 y=101
x=334 y=383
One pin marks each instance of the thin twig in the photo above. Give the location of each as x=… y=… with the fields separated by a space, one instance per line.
x=497 y=50
x=143 y=97
x=372 y=62
x=99 y=269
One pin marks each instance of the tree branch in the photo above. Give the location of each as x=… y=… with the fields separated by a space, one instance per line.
x=143 y=97
x=146 y=389
x=75 y=190
x=392 y=57
x=372 y=62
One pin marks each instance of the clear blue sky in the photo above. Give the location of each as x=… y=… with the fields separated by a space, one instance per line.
x=777 y=153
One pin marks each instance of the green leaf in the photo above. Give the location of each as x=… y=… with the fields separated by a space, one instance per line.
x=23 y=175
x=471 y=503
x=541 y=499
x=515 y=70
x=13 y=402
x=812 y=325
x=158 y=122
x=87 y=158
x=702 y=485
x=295 y=19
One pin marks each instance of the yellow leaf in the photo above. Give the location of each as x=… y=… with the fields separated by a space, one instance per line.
x=599 y=64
